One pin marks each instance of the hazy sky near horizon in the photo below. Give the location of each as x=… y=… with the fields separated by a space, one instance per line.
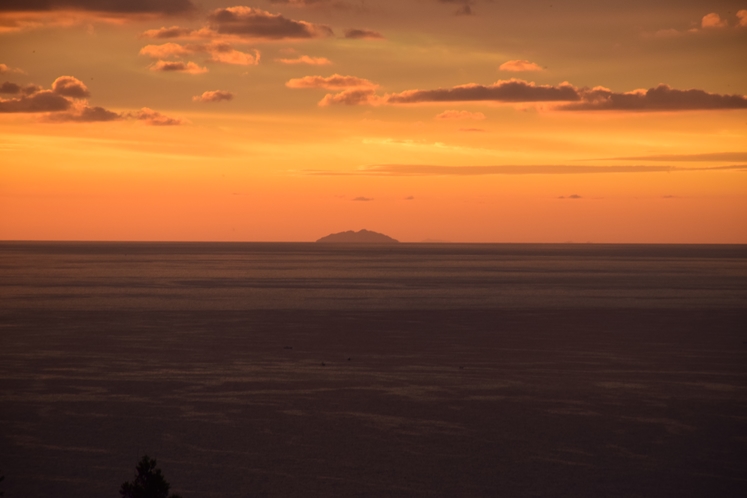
x=454 y=120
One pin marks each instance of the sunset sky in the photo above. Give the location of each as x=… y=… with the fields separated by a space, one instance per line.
x=440 y=120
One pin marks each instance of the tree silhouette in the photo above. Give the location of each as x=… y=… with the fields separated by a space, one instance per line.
x=148 y=483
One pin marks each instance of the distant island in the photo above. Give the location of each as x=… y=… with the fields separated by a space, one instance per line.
x=360 y=237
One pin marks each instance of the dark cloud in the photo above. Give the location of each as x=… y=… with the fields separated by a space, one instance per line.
x=9 y=87
x=359 y=34
x=501 y=91
x=661 y=98
x=249 y=22
x=572 y=196
x=178 y=66
x=168 y=7
x=70 y=86
x=43 y=101
x=84 y=114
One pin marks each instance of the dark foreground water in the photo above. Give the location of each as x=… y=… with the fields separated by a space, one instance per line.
x=413 y=370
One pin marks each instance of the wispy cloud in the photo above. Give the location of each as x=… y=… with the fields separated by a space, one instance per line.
x=305 y=59
x=559 y=169
x=364 y=199
x=460 y=115
x=218 y=52
x=82 y=113
x=155 y=118
x=4 y=68
x=519 y=66
x=707 y=157
x=334 y=82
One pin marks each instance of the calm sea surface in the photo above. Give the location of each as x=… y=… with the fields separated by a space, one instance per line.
x=407 y=276
x=266 y=369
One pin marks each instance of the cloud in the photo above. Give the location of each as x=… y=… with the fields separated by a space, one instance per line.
x=155 y=118
x=178 y=66
x=9 y=87
x=661 y=98
x=305 y=59
x=4 y=68
x=473 y=130
x=16 y=15
x=354 y=96
x=465 y=8
x=742 y=16
x=571 y=98
x=334 y=82
x=43 y=101
x=502 y=91
x=70 y=86
x=363 y=199
x=213 y=96
x=84 y=114
x=713 y=20
x=519 y=65
x=218 y=51
x=167 y=7
x=572 y=196
x=248 y=22
x=708 y=157
x=360 y=34
x=545 y=169
x=165 y=50
x=163 y=32
x=460 y=115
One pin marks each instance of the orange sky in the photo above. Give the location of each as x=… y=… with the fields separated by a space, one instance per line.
x=450 y=120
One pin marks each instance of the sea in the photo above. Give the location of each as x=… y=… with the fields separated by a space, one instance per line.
x=423 y=370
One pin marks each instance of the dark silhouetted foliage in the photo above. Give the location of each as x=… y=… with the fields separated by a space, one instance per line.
x=148 y=483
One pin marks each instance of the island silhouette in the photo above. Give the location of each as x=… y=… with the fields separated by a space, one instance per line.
x=361 y=237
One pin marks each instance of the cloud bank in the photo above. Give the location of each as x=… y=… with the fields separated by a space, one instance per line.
x=564 y=96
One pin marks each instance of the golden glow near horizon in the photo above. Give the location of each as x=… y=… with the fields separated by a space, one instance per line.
x=460 y=120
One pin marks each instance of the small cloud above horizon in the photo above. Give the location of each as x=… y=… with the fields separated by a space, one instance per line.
x=363 y=199
x=520 y=66
x=213 y=96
